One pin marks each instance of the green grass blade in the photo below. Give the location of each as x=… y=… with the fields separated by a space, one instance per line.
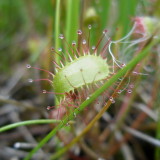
x=30 y=122
x=72 y=19
x=89 y=100
x=127 y=10
x=57 y=29
x=104 y=13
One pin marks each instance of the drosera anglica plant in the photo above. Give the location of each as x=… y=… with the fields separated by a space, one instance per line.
x=77 y=75
x=83 y=69
x=115 y=76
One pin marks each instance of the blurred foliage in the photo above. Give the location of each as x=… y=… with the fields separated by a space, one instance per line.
x=28 y=30
x=20 y=21
x=28 y=20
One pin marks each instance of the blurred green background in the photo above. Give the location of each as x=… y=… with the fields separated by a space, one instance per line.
x=29 y=28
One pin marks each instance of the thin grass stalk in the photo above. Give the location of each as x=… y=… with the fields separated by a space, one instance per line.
x=57 y=29
x=29 y=122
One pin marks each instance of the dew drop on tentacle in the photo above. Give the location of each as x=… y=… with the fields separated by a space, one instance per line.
x=105 y=31
x=84 y=41
x=135 y=73
x=74 y=114
x=87 y=98
x=123 y=64
x=28 y=66
x=129 y=91
x=30 y=80
x=89 y=26
x=52 y=48
x=120 y=79
x=131 y=86
x=60 y=49
x=17 y=145
x=44 y=91
x=119 y=91
x=111 y=99
x=48 y=108
x=79 y=32
x=93 y=47
x=73 y=43
x=61 y=36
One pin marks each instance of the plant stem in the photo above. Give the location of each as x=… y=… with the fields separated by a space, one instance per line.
x=30 y=122
x=57 y=29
